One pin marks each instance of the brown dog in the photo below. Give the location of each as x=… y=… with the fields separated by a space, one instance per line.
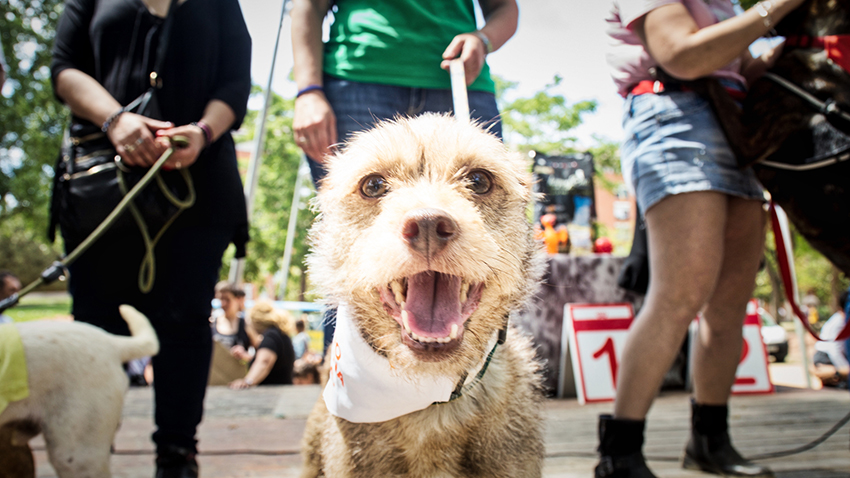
x=424 y=243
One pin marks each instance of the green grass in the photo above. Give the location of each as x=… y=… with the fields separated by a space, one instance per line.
x=40 y=307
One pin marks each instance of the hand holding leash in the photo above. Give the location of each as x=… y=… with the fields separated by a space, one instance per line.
x=192 y=140
x=470 y=49
x=133 y=137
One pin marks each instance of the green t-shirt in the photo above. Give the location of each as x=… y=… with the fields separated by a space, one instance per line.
x=398 y=42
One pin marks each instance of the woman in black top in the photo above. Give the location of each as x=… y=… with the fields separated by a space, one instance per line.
x=102 y=57
x=275 y=357
x=229 y=328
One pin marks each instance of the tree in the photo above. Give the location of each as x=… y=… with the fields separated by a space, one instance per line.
x=541 y=122
x=33 y=121
x=273 y=201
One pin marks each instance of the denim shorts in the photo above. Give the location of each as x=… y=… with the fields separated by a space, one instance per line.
x=674 y=145
x=358 y=106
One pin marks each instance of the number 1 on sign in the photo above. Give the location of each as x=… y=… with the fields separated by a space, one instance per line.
x=608 y=349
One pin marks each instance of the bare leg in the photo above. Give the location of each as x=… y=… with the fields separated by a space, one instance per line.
x=686 y=240
x=718 y=348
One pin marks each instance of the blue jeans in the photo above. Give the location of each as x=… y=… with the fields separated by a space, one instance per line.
x=358 y=106
x=674 y=145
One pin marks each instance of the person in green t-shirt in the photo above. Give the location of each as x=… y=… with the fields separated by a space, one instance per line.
x=385 y=58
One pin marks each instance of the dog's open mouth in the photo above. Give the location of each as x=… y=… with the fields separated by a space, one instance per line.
x=431 y=309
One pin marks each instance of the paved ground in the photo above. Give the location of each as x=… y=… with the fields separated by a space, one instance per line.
x=256 y=433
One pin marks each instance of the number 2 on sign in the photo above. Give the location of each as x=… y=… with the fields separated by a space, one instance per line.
x=608 y=349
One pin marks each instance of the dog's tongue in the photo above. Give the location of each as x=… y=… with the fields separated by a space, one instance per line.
x=433 y=303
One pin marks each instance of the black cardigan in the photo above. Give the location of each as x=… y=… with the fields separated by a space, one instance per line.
x=208 y=57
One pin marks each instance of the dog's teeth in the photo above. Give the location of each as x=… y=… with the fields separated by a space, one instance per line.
x=453 y=334
x=464 y=292
x=398 y=291
x=444 y=340
x=404 y=321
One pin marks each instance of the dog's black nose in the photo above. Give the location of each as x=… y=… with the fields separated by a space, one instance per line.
x=428 y=230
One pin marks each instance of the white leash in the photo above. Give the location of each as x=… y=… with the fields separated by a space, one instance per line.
x=459 y=97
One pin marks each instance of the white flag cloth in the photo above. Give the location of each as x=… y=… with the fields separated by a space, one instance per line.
x=364 y=388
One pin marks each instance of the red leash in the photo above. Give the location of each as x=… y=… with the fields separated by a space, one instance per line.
x=784 y=255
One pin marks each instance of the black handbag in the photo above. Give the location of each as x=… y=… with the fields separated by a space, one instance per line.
x=90 y=180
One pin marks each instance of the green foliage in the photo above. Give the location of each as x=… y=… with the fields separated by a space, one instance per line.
x=273 y=201
x=32 y=123
x=541 y=122
x=606 y=159
x=41 y=307
x=745 y=4
x=813 y=273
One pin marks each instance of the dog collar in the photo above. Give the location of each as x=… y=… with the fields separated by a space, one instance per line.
x=464 y=385
x=363 y=387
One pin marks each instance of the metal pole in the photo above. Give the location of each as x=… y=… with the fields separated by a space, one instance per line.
x=303 y=169
x=804 y=353
x=237 y=266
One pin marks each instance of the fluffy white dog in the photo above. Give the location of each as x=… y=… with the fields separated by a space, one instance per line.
x=76 y=392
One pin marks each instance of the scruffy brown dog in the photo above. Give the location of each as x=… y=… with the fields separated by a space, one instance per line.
x=424 y=243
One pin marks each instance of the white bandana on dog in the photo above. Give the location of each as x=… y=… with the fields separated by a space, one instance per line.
x=364 y=388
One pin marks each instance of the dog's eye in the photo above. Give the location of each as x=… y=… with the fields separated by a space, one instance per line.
x=373 y=186
x=480 y=181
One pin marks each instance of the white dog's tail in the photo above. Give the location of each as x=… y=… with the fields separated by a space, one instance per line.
x=143 y=342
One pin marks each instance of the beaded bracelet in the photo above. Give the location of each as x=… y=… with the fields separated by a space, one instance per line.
x=308 y=89
x=207 y=132
x=111 y=119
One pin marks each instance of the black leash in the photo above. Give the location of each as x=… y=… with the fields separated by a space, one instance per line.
x=828 y=108
x=763 y=456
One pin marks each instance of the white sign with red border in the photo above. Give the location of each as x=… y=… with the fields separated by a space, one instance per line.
x=596 y=335
x=752 y=376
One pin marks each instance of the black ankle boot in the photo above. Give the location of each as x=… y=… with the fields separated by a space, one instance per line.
x=710 y=448
x=175 y=462
x=620 y=444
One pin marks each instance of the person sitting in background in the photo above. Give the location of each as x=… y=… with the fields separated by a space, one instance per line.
x=830 y=363
x=273 y=362
x=229 y=329
x=301 y=341
x=9 y=284
x=306 y=370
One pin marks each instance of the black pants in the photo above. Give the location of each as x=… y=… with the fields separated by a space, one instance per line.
x=188 y=262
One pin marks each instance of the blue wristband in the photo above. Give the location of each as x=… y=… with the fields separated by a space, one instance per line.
x=310 y=88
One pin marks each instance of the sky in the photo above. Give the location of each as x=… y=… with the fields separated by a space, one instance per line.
x=554 y=37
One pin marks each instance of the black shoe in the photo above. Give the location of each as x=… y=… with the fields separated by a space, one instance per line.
x=710 y=448
x=620 y=444
x=629 y=466
x=175 y=462
x=715 y=454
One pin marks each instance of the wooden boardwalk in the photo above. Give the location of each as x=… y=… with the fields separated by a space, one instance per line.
x=271 y=419
x=761 y=424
